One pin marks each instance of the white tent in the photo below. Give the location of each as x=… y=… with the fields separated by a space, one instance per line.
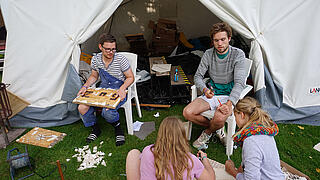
x=42 y=46
x=43 y=41
x=284 y=37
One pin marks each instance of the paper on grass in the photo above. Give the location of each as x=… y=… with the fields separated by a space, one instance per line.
x=161 y=67
x=317 y=147
x=137 y=125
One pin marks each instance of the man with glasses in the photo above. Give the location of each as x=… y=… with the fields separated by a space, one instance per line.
x=226 y=68
x=114 y=72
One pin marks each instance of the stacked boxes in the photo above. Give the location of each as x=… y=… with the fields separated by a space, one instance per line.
x=137 y=43
x=164 y=38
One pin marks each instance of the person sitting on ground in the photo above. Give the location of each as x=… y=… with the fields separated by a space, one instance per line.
x=115 y=73
x=226 y=68
x=169 y=158
x=260 y=158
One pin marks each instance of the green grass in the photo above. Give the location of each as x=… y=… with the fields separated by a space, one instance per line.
x=295 y=147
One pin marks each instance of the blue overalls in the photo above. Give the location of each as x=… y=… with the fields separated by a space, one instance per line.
x=111 y=115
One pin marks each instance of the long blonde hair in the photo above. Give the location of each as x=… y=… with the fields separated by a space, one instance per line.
x=252 y=108
x=171 y=150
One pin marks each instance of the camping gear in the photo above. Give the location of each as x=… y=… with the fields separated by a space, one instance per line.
x=18 y=161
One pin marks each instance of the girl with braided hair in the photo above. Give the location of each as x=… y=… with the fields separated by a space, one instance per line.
x=169 y=158
x=260 y=158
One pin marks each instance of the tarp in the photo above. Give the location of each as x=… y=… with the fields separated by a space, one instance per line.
x=284 y=38
x=42 y=42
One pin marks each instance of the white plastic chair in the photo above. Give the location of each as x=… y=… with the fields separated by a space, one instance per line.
x=231 y=119
x=132 y=92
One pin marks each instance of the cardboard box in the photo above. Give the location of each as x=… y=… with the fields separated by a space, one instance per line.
x=137 y=43
x=133 y=37
x=170 y=24
x=163 y=30
x=164 y=38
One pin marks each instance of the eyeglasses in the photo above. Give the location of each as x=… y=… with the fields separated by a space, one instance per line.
x=109 y=49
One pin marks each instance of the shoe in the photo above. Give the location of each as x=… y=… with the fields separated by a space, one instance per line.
x=222 y=136
x=95 y=133
x=120 y=139
x=200 y=143
x=92 y=137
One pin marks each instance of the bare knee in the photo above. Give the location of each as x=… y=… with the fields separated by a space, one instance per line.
x=83 y=109
x=133 y=157
x=217 y=122
x=187 y=113
x=133 y=164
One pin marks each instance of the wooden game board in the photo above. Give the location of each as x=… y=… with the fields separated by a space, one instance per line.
x=99 y=97
x=41 y=137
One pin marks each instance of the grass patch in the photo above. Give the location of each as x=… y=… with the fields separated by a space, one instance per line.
x=295 y=147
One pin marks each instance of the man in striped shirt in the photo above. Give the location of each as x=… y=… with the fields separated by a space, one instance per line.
x=114 y=72
x=226 y=68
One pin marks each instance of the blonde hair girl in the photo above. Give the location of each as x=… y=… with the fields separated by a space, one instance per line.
x=169 y=157
x=250 y=107
x=260 y=158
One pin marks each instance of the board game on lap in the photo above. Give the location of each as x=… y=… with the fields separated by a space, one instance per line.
x=99 y=97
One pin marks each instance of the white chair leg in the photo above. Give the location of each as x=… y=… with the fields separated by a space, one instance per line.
x=137 y=101
x=128 y=113
x=231 y=130
x=138 y=107
x=220 y=131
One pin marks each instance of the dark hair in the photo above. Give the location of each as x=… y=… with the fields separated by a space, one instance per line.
x=106 y=38
x=220 y=27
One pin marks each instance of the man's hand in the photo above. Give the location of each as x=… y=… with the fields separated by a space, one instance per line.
x=208 y=93
x=225 y=108
x=230 y=168
x=121 y=93
x=82 y=90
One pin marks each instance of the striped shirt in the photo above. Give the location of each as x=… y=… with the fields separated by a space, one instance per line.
x=116 y=68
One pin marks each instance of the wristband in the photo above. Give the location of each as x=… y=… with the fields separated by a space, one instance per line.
x=203 y=157
x=205 y=90
x=85 y=87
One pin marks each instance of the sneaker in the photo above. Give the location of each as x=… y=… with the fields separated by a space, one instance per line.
x=222 y=136
x=200 y=143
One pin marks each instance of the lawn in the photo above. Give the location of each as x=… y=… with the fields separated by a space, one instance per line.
x=295 y=146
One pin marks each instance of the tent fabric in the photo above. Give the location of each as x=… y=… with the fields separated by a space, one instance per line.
x=57 y=115
x=42 y=45
x=284 y=41
x=42 y=36
x=72 y=86
x=271 y=101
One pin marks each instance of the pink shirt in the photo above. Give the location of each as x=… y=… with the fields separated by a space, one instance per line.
x=148 y=171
